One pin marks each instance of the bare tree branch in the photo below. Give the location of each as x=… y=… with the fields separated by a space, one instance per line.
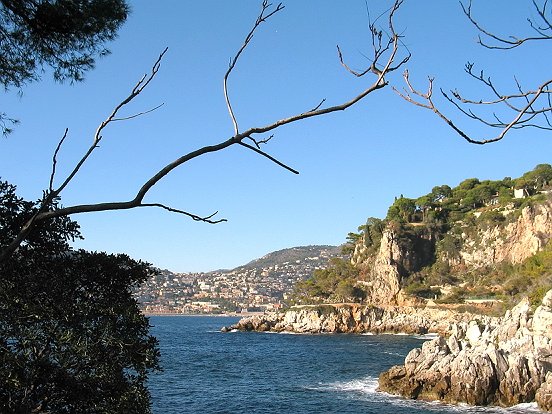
x=511 y=42
x=138 y=114
x=270 y=157
x=503 y=111
x=426 y=101
x=263 y=16
x=54 y=160
x=205 y=219
x=259 y=142
x=385 y=61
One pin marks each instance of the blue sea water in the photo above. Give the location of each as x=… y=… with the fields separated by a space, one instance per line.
x=206 y=371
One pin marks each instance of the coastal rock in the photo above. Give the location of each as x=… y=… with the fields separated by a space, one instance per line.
x=504 y=361
x=353 y=318
x=542 y=319
x=544 y=394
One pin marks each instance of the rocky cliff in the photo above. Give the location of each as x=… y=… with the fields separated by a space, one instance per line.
x=514 y=242
x=475 y=244
x=503 y=361
x=395 y=258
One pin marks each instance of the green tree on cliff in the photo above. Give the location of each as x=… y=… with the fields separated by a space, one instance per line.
x=335 y=283
x=402 y=210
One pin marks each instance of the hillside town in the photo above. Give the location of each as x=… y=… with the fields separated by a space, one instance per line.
x=261 y=285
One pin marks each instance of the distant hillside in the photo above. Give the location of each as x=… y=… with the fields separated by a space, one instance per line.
x=292 y=255
x=259 y=285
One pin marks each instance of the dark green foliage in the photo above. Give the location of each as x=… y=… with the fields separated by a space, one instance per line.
x=449 y=245
x=402 y=210
x=373 y=231
x=538 y=178
x=72 y=339
x=352 y=238
x=490 y=218
x=456 y=296
x=66 y=35
x=370 y=234
x=336 y=283
x=423 y=291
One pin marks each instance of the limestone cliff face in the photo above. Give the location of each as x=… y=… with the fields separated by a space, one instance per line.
x=383 y=269
x=514 y=243
x=505 y=362
x=381 y=272
x=395 y=258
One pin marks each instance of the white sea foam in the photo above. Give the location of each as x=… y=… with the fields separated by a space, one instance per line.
x=394 y=354
x=427 y=337
x=365 y=388
x=526 y=407
x=365 y=385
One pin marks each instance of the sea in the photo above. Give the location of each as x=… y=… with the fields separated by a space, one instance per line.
x=207 y=371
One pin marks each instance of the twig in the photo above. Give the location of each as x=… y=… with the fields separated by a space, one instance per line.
x=511 y=42
x=195 y=217
x=517 y=122
x=270 y=157
x=54 y=160
x=126 y=118
x=260 y=19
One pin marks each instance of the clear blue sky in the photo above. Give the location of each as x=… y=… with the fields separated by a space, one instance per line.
x=351 y=164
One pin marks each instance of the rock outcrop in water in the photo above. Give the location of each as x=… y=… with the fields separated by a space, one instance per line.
x=504 y=361
x=353 y=318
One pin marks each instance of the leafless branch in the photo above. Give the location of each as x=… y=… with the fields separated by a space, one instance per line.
x=54 y=160
x=544 y=30
x=385 y=61
x=137 y=90
x=138 y=114
x=259 y=142
x=270 y=157
x=503 y=111
x=265 y=14
x=318 y=106
x=382 y=43
x=521 y=118
x=205 y=219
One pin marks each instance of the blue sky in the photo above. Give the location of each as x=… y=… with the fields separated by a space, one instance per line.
x=351 y=164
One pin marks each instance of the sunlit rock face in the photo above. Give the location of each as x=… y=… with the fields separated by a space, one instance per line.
x=514 y=243
x=395 y=258
x=504 y=361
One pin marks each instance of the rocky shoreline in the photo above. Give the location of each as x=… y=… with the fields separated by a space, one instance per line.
x=354 y=318
x=475 y=359
x=482 y=363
